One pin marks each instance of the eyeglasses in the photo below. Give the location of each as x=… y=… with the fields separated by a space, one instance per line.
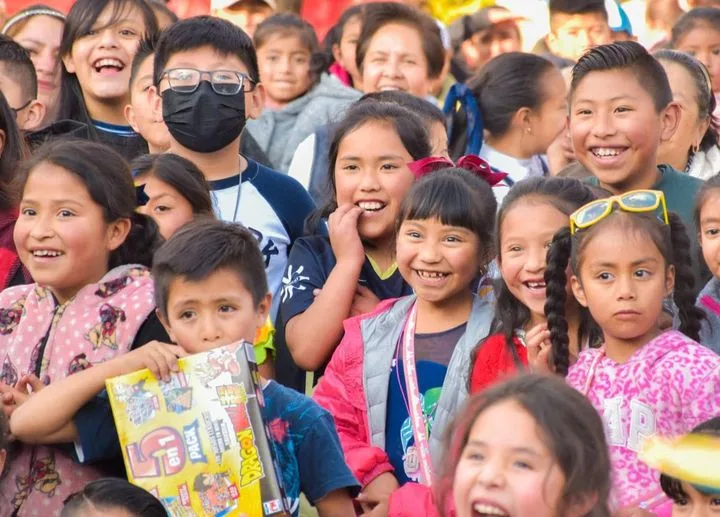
x=224 y=82
x=633 y=201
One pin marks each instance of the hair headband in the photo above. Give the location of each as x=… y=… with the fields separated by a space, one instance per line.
x=471 y=163
x=40 y=11
x=460 y=93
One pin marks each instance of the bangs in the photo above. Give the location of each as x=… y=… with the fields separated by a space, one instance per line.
x=82 y=19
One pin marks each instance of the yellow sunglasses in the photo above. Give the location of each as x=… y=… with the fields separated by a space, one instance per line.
x=633 y=201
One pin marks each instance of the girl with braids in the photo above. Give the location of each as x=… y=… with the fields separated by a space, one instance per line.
x=530 y=214
x=627 y=253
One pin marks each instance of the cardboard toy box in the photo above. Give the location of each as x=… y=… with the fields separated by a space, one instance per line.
x=198 y=442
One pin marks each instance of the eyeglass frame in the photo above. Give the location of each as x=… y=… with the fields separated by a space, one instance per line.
x=617 y=200
x=243 y=78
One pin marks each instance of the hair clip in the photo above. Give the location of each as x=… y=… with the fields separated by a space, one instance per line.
x=470 y=163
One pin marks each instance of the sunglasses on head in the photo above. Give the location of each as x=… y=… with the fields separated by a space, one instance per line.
x=636 y=201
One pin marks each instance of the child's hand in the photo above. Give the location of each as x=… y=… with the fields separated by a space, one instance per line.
x=344 y=236
x=14 y=396
x=159 y=358
x=364 y=301
x=537 y=341
x=375 y=497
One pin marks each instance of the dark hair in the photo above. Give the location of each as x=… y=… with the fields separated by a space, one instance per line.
x=354 y=11
x=456 y=197
x=201 y=248
x=180 y=174
x=626 y=55
x=672 y=486
x=110 y=493
x=565 y=195
x=698 y=17
x=427 y=111
x=160 y=7
x=80 y=21
x=567 y=424
x=577 y=7
x=409 y=128
x=146 y=49
x=290 y=24
x=222 y=36
x=704 y=96
x=14 y=151
x=107 y=178
x=18 y=66
x=378 y=15
x=672 y=242
x=706 y=189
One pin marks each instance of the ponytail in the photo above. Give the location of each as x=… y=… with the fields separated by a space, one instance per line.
x=140 y=244
x=474 y=124
x=556 y=289
x=684 y=291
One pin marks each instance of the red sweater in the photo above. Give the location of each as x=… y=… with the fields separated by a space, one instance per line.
x=494 y=362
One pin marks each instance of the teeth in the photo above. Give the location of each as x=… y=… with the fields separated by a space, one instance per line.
x=389 y=88
x=108 y=62
x=431 y=274
x=46 y=253
x=488 y=509
x=371 y=206
x=536 y=285
x=605 y=152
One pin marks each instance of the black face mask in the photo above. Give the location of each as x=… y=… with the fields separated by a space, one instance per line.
x=204 y=121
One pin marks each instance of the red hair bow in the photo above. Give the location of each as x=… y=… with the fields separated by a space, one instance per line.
x=469 y=162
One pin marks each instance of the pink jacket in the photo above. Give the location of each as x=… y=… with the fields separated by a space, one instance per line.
x=669 y=386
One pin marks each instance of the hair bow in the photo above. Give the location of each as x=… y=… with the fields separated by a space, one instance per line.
x=469 y=162
x=460 y=94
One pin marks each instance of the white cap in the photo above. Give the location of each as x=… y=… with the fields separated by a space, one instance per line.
x=222 y=4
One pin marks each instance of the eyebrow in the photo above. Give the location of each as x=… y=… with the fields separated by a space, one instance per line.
x=525 y=450
x=54 y=201
x=612 y=99
x=709 y=220
x=379 y=158
x=638 y=262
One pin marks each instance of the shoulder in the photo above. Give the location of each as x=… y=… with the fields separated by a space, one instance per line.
x=13 y=295
x=674 y=178
x=316 y=244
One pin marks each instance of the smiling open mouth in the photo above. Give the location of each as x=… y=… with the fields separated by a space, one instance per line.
x=371 y=206
x=108 y=65
x=47 y=253
x=486 y=509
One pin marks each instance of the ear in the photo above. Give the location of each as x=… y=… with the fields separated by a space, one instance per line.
x=337 y=55
x=582 y=505
x=34 y=115
x=166 y=324
x=669 y=121
x=156 y=103
x=669 y=280
x=254 y=101
x=701 y=130
x=523 y=119
x=2 y=141
x=263 y=310
x=129 y=113
x=69 y=63
x=117 y=232
x=578 y=291
x=3 y=457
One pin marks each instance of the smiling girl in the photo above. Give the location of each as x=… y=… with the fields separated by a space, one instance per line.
x=88 y=252
x=97 y=49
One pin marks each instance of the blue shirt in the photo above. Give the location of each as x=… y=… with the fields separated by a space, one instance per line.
x=307 y=448
x=273 y=207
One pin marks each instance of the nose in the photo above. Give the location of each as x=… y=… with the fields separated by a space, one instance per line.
x=392 y=67
x=583 y=41
x=430 y=252
x=491 y=475
x=625 y=288
x=108 y=38
x=209 y=330
x=369 y=181
x=603 y=125
x=536 y=259
x=46 y=62
x=284 y=65
x=42 y=228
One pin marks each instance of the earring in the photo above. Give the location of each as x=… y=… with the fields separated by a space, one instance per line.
x=529 y=131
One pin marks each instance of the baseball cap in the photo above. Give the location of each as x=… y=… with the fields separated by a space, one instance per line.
x=463 y=28
x=222 y=4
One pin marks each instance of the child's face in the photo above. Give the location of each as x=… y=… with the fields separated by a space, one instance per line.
x=139 y=113
x=439 y=261
x=61 y=235
x=371 y=172
x=395 y=60
x=526 y=232
x=41 y=38
x=623 y=280
x=215 y=311
x=550 y=118
x=616 y=130
x=166 y=206
x=691 y=128
x=572 y=34
x=344 y=52
x=506 y=469
x=697 y=504
x=101 y=60
x=247 y=15
x=710 y=232
x=703 y=42
x=284 y=64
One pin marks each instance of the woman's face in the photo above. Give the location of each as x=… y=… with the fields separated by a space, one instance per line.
x=691 y=126
x=41 y=37
x=548 y=120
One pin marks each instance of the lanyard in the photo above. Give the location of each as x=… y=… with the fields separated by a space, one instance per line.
x=414 y=403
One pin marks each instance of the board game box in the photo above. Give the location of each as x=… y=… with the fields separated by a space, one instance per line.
x=198 y=442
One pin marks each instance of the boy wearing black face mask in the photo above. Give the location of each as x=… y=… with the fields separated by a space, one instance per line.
x=207 y=84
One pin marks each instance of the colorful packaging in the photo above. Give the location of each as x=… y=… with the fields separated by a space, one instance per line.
x=198 y=442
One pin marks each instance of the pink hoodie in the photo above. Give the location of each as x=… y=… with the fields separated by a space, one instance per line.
x=667 y=387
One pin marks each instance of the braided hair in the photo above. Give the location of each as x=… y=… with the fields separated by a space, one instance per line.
x=671 y=240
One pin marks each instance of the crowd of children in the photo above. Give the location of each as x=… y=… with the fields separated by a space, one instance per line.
x=483 y=309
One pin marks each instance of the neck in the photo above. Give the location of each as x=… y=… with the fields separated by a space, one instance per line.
x=272 y=104
x=154 y=149
x=110 y=112
x=510 y=144
x=215 y=166
x=643 y=180
x=676 y=160
x=442 y=315
x=620 y=349
x=382 y=252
